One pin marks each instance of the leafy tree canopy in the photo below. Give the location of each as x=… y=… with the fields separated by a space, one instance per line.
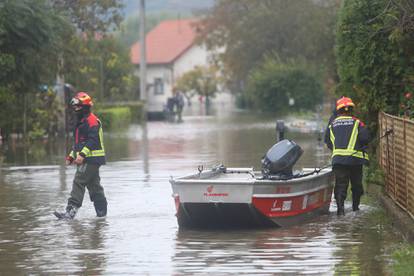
x=248 y=30
x=273 y=85
x=103 y=68
x=36 y=36
x=374 y=55
x=91 y=15
x=201 y=80
x=31 y=34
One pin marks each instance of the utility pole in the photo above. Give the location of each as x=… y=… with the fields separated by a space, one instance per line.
x=60 y=82
x=143 y=59
x=101 y=79
x=143 y=86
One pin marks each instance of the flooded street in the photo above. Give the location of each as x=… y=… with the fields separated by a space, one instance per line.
x=140 y=235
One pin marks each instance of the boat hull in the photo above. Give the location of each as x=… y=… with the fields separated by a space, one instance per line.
x=245 y=200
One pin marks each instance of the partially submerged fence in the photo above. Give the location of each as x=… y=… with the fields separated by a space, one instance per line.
x=397 y=159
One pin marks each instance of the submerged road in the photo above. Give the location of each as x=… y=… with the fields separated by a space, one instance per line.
x=140 y=235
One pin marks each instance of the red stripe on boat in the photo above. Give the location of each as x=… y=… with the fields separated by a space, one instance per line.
x=177 y=202
x=292 y=206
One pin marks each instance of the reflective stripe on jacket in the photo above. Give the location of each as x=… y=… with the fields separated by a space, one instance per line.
x=89 y=143
x=347 y=140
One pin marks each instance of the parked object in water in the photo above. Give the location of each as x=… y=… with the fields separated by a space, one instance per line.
x=242 y=197
x=280 y=130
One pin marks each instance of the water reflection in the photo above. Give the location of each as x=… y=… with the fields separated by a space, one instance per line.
x=326 y=246
x=89 y=246
x=293 y=250
x=363 y=244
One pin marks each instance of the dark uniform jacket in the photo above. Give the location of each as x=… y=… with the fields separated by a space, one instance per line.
x=88 y=142
x=348 y=138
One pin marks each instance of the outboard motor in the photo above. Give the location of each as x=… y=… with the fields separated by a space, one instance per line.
x=280 y=159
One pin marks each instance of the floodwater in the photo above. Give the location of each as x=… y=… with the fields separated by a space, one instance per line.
x=140 y=235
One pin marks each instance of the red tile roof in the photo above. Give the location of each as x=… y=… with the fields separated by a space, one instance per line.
x=166 y=42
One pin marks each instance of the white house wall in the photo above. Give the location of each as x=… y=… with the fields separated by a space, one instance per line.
x=156 y=102
x=195 y=56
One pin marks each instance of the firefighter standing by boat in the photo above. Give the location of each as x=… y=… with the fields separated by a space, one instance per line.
x=88 y=153
x=348 y=138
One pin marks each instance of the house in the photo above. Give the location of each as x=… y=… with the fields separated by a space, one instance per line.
x=171 y=52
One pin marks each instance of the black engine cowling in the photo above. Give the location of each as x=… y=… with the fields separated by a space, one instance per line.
x=280 y=159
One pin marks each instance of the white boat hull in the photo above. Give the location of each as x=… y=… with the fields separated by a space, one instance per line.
x=239 y=197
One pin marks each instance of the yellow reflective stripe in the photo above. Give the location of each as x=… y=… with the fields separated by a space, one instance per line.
x=332 y=136
x=347 y=152
x=342 y=152
x=362 y=155
x=354 y=134
x=101 y=137
x=96 y=153
x=93 y=153
x=86 y=151
x=350 y=150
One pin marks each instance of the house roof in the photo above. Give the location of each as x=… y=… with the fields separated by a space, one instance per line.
x=166 y=42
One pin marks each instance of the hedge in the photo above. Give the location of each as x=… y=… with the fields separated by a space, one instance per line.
x=120 y=114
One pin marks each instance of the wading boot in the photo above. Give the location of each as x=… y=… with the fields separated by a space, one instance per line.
x=355 y=204
x=340 y=206
x=68 y=214
x=340 y=211
x=101 y=207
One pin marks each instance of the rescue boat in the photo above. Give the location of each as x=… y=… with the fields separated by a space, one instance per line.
x=242 y=197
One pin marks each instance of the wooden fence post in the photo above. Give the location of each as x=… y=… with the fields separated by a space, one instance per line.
x=405 y=165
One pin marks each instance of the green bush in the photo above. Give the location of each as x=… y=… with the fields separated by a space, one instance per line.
x=242 y=101
x=373 y=172
x=114 y=117
x=374 y=57
x=273 y=83
x=120 y=114
x=136 y=109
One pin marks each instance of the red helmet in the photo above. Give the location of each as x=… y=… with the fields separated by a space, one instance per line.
x=82 y=98
x=344 y=102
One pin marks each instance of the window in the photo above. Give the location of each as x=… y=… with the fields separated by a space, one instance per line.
x=158 y=86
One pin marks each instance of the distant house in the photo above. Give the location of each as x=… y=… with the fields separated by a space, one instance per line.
x=171 y=51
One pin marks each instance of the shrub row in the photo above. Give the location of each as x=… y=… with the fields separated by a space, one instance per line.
x=120 y=115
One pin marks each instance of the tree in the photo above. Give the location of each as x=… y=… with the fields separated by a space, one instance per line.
x=248 y=30
x=30 y=35
x=35 y=36
x=103 y=68
x=272 y=84
x=90 y=15
x=374 y=56
x=201 y=80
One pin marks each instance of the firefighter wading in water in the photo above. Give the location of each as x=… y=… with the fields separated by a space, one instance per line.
x=348 y=138
x=88 y=153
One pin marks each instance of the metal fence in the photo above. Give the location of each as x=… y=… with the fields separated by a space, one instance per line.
x=397 y=159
